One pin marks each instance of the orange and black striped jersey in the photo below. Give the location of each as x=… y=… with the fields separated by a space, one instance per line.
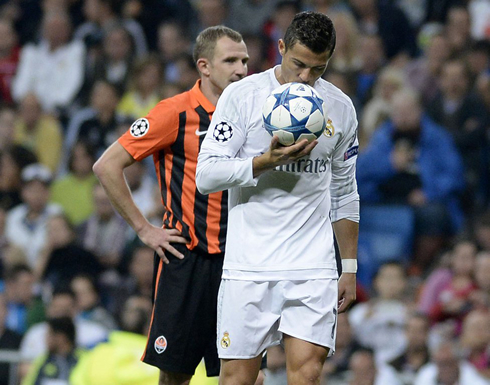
x=172 y=132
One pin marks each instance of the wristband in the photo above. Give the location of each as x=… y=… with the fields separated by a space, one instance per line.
x=349 y=266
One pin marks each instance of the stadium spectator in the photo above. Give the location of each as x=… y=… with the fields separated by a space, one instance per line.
x=464 y=115
x=88 y=301
x=62 y=258
x=143 y=88
x=389 y=22
x=416 y=353
x=441 y=275
x=73 y=191
x=53 y=69
x=12 y=161
x=9 y=59
x=9 y=340
x=412 y=161
x=208 y=13
x=336 y=368
x=346 y=58
x=458 y=29
x=187 y=71
x=475 y=341
x=379 y=323
x=101 y=16
x=62 y=304
x=377 y=109
x=365 y=371
x=423 y=72
x=137 y=281
x=96 y=124
x=112 y=64
x=454 y=299
x=481 y=230
x=172 y=43
x=478 y=59
x=26 y=223
x=7 y=127
x=372 y=59
x=481 y=298
x=447 y=367
x=104 y=233
x=39 y=132
x=249 y=16
x=276 y=26
x=24 y=308
x=62 y=355
x=115 y=362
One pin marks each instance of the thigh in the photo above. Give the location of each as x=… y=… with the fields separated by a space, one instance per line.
x=309 y=311
x=303 y=359
x=248 y=314
x=183 y=324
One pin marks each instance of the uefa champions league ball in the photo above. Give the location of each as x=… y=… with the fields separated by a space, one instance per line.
x=293 y=112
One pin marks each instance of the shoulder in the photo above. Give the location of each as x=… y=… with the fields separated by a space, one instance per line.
x=175 y=104
x=249 y=86
x=333 y=94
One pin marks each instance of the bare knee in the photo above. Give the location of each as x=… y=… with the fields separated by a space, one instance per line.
x=171 y=378
x=308 y=372
x=239 y=372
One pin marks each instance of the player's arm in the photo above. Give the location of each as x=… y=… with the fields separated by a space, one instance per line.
x=109 y=168
x=346 y=233
x=278 y=155
x=345 y=210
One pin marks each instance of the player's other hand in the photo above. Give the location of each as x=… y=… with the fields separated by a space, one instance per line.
x=347 y=291
x=280 y=154
x=160 y=240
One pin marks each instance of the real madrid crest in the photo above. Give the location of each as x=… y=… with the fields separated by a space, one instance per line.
x=329 y=129
x=225 y=341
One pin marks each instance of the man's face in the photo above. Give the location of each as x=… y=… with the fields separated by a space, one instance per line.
x=301 y=65
x=229 y=63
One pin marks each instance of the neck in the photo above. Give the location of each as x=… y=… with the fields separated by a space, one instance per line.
x=211 y=92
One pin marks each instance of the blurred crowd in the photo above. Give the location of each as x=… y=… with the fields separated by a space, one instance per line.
x=74 y=75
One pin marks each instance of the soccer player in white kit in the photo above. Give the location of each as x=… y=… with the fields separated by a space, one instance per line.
x=280 y=277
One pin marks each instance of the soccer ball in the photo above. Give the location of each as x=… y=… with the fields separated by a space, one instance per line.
x=293 y=112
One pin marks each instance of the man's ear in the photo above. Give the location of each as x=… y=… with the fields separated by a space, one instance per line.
x=203 y=66
x=281 y=47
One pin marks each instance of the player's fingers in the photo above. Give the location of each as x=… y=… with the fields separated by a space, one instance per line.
x=174 y=251
x=162 y=255
x=177 y=239
x=344 y=304
x=172 y=231
x=274 y=142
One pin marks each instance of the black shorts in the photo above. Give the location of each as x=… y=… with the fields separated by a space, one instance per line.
x=183 y=326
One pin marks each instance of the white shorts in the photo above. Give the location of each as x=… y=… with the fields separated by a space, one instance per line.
x=254 y=315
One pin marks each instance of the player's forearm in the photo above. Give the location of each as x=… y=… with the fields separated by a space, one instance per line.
x=347 y=233
x=218 y=173
x=112 y=178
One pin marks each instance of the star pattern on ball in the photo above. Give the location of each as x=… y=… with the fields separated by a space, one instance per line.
x=139 y=128
x=222 y=132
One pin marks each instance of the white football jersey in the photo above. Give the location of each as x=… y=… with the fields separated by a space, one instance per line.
x=280 y=223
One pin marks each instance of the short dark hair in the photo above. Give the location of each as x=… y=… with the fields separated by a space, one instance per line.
x=63 y=325
x=13 y=272
x=312 y=29
x=206 y=41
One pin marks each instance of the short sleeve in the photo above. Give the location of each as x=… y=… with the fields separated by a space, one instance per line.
x=155 y=131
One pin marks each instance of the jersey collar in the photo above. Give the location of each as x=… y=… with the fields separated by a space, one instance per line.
x=203 y=101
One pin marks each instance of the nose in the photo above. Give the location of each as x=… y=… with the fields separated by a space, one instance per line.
x=305 y=76
x=241 y=69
